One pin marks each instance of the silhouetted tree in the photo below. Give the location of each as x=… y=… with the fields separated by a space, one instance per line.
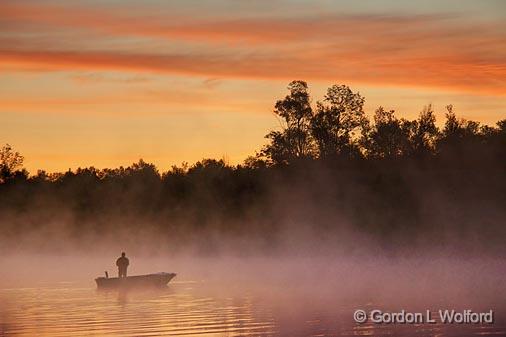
x=460 y=138
x=424 y=133
x=498 y=140
x=254 y=162
x=456 y=129
x=11 y=163
x=336 y=120
x=388 y=137
x=294 y=140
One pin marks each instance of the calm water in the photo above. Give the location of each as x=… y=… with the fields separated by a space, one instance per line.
x=196 y=308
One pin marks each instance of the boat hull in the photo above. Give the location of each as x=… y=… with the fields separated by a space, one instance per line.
x=150 y=280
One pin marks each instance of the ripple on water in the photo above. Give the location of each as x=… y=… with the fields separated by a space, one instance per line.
x=183 y=310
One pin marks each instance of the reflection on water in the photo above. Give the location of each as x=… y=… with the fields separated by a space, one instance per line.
x=173 y=311
x=186 y=308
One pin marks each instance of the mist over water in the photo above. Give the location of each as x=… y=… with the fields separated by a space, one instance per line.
x=55 y=295
x=301 y=269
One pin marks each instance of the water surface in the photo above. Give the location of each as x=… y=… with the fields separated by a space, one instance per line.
x=248 y=297
x=190 y=309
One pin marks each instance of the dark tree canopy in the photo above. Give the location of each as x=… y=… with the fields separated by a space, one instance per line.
x=11 y=163
x=293 y=141
x=338 y=117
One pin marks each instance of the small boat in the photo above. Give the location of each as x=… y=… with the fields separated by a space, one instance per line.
x=149 y=280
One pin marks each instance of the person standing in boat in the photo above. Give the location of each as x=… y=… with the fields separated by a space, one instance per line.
x=122 y=264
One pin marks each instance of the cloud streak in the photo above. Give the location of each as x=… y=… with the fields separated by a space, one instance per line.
x=436 y=51
x=457 y=73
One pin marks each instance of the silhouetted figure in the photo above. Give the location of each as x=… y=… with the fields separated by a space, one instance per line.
x=122 y=264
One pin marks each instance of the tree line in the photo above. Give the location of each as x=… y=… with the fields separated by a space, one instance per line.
x=338 y=127
x=328 y=169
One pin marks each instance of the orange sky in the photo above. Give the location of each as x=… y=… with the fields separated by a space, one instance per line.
x=105 y=83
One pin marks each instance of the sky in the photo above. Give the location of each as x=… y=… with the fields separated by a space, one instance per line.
x=104 y=83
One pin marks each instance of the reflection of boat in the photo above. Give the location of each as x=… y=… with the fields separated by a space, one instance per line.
x=150 y=280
